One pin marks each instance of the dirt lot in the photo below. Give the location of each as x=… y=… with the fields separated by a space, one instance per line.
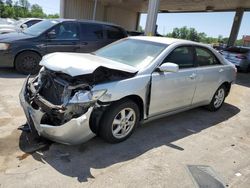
x=157 y=154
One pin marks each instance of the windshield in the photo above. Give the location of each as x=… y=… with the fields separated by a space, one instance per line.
x=136 y=53
x=40 y=27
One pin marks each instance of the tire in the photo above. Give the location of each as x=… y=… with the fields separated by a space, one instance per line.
x=28 y=62
x=218 y=99
x=119 y=121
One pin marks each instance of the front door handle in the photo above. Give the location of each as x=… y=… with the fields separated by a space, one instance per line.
x=192 y=76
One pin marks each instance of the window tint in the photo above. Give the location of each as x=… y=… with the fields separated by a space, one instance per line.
x=114 y=32
x=182 y=56
x=204 y=57
x=66 y=31
x=91 y=32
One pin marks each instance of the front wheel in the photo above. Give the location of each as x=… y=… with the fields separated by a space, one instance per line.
x=218 y=99
x=28 y=62
x=119 y=121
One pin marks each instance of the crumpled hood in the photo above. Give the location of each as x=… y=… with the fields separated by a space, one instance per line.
x=75 y=64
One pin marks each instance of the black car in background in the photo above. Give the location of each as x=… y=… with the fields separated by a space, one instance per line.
x=24 y=50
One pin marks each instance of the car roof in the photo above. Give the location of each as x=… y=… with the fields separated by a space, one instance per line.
x=86 y=21
x=163 y=40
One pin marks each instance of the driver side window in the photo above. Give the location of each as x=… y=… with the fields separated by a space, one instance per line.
x=182 y=56
x=66 y=31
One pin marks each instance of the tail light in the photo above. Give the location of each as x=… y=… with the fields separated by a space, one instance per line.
x=240 y=56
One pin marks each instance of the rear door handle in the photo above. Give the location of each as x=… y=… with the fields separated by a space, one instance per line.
x=192 y=76
x=221 y=70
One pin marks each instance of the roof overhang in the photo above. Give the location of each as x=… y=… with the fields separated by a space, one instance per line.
x=183 y=5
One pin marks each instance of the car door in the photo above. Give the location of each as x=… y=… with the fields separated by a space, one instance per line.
x=209 y=71
x=171 y=91
x=65 y=38
x=92 y=37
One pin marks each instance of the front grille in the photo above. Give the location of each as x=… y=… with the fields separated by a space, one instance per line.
x=52 y=92
x=52 y=89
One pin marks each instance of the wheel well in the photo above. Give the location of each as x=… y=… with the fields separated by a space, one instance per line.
x=23 y=52
x=138 y=100
x=227 y=86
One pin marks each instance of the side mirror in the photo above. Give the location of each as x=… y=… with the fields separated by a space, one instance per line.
x=24 y=26
x=51 y=35
x=169 y=67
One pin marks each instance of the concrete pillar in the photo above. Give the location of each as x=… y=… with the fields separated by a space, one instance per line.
x=62 y=8
x=153 y=7
x=94 y=11
x=235 y=27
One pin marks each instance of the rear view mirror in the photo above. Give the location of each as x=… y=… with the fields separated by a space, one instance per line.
x=169 y=67
x=51 y=35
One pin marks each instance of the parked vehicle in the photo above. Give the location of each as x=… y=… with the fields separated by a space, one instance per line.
x=239 y=56
x=18 y=26
x=138 y=33
x=110 y=91
x=24 y=50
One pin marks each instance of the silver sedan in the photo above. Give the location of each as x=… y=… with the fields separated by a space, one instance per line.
x=109 y=92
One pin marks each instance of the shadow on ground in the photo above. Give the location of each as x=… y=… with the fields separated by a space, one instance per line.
x=243 y=79
x=76 y=161
x=10 y=73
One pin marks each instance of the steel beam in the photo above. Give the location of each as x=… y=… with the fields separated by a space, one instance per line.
x=153 y=8
x=235 y=27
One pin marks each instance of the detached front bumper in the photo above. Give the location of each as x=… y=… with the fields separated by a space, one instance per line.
x=75 y=131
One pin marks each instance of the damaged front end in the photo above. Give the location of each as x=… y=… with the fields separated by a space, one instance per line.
x=59 y=106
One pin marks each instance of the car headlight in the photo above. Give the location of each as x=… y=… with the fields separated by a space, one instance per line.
x=83 y=96
x=4 y=46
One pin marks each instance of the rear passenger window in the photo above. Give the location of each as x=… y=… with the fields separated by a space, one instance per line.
x=114 y=32
x=205 y=58
x=91 y=32
x=182 y=56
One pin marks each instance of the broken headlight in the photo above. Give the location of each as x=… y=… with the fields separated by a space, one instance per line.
x=84 y=96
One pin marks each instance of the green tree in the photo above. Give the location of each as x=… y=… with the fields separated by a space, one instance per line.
x=24 y=3
x=1 y=7
x=52 y=16
x=36 y=11
x=8 y=12
x=193 y=35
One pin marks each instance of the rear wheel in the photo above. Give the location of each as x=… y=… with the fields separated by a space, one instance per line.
x=28 y=62
x=218 y=99
x=119 y=121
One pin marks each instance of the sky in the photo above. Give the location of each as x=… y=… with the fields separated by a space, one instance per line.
x=213 y=24
x=49 y=6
